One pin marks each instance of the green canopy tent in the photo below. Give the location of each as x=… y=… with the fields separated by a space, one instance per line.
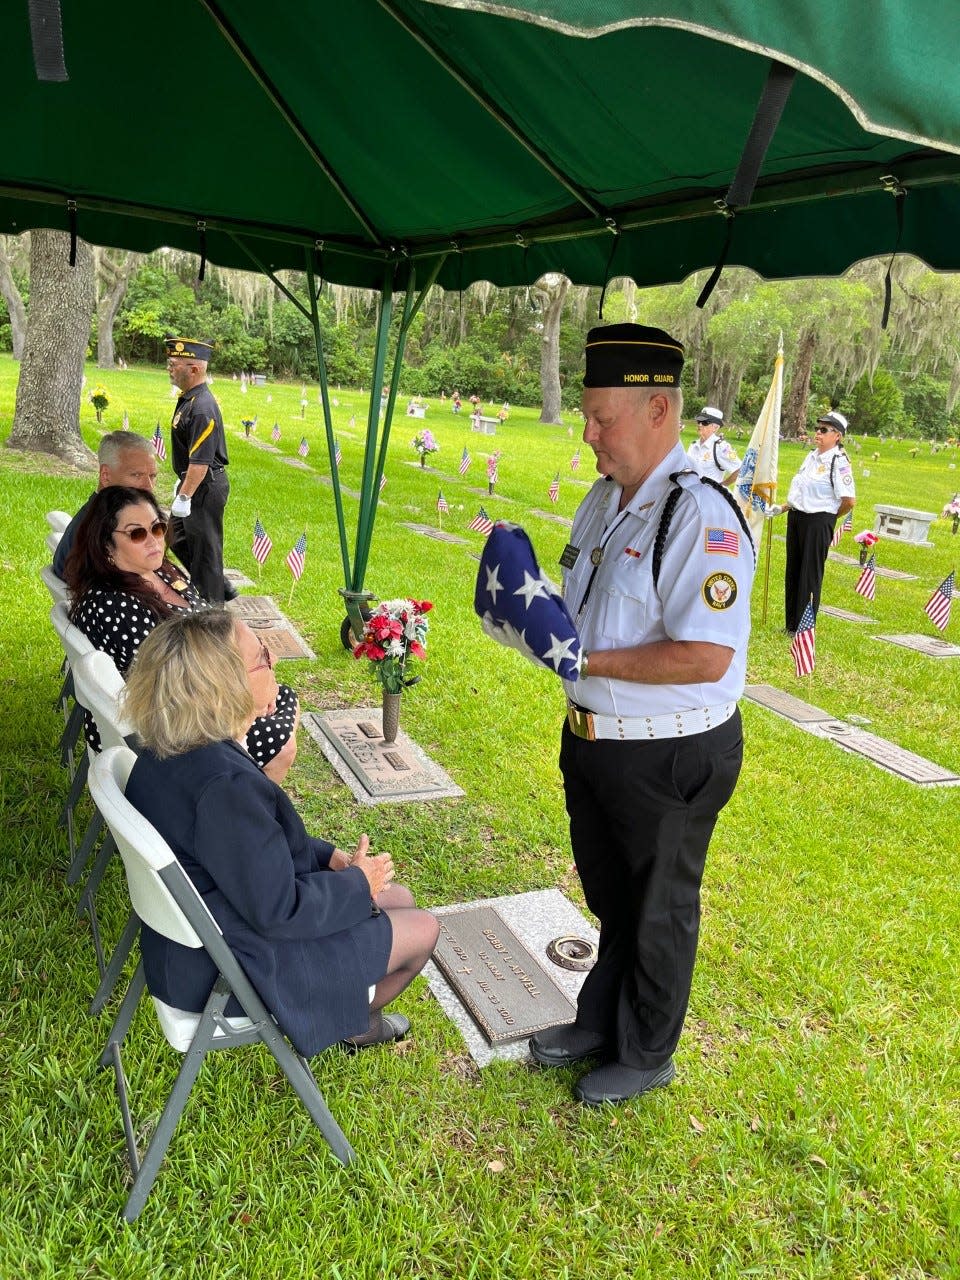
x=396 y=143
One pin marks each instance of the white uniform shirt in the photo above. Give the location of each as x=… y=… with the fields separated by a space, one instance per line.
x=713 y=457
x=811 y=489
x=703 y=593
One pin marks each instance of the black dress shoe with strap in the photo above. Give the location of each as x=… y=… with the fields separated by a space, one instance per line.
x=384 y=1029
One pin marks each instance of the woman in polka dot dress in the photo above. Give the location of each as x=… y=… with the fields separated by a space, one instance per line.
x=123 y=584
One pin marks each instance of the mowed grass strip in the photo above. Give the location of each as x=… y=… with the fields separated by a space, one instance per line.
x=814 y=1127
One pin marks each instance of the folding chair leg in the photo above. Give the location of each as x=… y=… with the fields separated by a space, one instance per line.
x=74 y=794
x=111 y=1058
x=297 y=1070
x=112 y=971
x=172 y=1111
x=71 y=736
x=86 y=847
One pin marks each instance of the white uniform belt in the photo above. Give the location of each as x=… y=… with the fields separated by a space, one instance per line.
x=674 y=724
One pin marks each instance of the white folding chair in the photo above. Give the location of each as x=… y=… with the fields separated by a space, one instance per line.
x=98 y=687
x=75 y=645
x=58 y=520
x=164 y=898
x=53 y=540
x=56 y=586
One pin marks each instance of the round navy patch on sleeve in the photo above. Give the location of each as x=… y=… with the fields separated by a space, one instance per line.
x=719 y=591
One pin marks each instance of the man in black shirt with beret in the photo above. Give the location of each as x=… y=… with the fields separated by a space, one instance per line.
x=199 y=449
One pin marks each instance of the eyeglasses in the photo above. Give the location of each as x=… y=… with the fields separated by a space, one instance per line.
x=266 y=659
x=139 y=534
x=824 y=430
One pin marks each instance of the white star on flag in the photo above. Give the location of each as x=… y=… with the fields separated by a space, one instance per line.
x=493 y=582
x=532 y=588
x=559 y=649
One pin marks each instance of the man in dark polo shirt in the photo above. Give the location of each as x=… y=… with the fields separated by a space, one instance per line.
x=199 y=450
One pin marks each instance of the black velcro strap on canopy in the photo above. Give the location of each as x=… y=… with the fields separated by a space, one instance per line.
x=46 y=36
x=779 y=82
x=901 y=196
x=776 y=90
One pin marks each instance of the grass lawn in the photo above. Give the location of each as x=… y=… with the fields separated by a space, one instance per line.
x=814 y=1127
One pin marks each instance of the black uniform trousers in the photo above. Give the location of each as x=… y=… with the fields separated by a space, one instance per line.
x=641 y=817
x=808 y=541
x=197 y=541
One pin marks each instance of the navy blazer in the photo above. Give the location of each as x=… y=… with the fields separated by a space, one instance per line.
x=306 y=936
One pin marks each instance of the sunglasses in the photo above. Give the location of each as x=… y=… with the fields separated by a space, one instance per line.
x=825 y=430
x=266 y=659
x=139 y=534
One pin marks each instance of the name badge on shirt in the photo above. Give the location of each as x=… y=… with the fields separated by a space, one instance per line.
x=569 y=556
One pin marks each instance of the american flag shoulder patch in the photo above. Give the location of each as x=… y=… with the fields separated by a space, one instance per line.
x=724 y=541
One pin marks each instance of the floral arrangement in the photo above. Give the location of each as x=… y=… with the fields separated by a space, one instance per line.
x=424 y=443
x=99 y=399
x=866 y=537
x=395 y=632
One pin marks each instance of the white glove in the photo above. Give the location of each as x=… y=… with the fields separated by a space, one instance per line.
x=775 y=510
x=181 y=506
x=507 y=635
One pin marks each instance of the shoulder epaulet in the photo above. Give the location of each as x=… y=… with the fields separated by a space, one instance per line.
x=685 y=480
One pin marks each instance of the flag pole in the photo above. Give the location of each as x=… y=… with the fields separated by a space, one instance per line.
x=766 y=573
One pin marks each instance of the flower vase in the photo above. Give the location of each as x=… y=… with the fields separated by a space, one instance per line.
x=863 y=555
x=391 y=716
x=423 y=463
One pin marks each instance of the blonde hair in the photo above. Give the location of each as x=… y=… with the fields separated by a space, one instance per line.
x=188 y=685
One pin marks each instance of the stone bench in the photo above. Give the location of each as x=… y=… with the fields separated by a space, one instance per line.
x=904 y=524
x=486 y=426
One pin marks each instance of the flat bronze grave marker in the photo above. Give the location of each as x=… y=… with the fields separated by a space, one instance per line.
x=506 y=989
x=281 y=639
x=552 y=515
x=428 y=531
x=298 y=463
x=894 y=759
x=847 y=615
x=351 y=493
x=377 y=772
x=785 y=704
x=931 y=646
x=259 y=607
x=237 y=578
x=895 y=575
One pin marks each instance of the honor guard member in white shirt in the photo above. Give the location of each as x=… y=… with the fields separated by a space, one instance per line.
x=657 y=577
x=710 y=453
x=820 y=492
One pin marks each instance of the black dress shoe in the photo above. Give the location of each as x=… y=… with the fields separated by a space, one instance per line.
x=617 y=1083
x=384 y=1029
x=563 y=1046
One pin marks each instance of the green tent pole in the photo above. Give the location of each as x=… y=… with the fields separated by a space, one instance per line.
x=412 y=304
x=368 y=483
x=328 y=420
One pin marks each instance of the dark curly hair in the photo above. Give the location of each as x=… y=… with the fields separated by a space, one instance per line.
x=89 y=564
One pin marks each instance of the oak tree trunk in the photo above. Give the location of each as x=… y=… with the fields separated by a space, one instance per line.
x=15 y=307
x=114 y=276
x=795 y=417
x=550 y=349
x=47 y=414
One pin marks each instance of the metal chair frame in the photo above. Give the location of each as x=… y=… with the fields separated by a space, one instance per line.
x=164 y=897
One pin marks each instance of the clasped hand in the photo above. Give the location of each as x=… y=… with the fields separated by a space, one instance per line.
x=378 y=867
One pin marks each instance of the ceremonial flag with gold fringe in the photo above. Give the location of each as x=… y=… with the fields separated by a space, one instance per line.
x=756 y=486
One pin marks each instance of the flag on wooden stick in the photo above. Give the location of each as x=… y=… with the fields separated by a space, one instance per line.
x=464 y=461
x=867 y=582
x=296 y=560
x=554 y=490
x=937 y=607
x=275 y=433
x=575 y=461
x=262 y=546
x=481 y=522
x=803 y=647
x=159 y=448
x=303 y=448
x=840 y=529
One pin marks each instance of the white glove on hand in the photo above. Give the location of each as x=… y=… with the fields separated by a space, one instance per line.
x=507 y=635
x=181 y=506
x=775 y=510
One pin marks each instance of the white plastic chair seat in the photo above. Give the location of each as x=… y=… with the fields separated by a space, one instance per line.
x=52 y=540
x=179 y=1026
x=58 y=520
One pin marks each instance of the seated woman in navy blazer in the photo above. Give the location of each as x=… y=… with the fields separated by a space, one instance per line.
x=314 y=928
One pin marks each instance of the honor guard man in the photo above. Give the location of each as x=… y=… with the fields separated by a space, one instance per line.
x=821 y=492
x=710 y=453
x=199 y=451
x=657 y=577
